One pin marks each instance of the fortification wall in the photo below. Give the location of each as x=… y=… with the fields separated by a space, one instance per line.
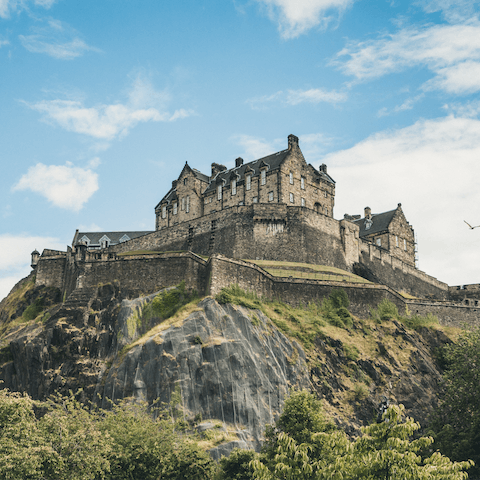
x=50 y=271
x=259 y=231
x=146 y=273
x=465 y=293
x=377 y=265
x=452 y=315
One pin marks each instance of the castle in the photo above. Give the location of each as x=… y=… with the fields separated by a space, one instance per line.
x=275 y=208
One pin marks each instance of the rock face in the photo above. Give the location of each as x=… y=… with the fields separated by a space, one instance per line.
x=229 y=364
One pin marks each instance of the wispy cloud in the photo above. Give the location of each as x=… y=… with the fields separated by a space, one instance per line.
x=10 y=6
x=295 y=17
x=295 y=97
x=256 y=147
x=453 y=11
x=451 y=52
x=432 y=168
x=408 y=104
x=56 y=39
x=65 y=186
x=106 y=122
x=3 y=42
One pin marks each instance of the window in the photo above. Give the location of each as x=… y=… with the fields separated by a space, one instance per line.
x=325 y=194
x=292 y=198
x=249 y=182
x=175 y=206
x=164 y=211
x=255 y=199
x=184 y=181
x=234 y=186
x=291 y=178
x=326 y=210
x=404 y=244
x=188 y=203
x=183 y=203
x=263 y=177
x=219 y=192
x=396 y=240
x=303 y=202
x=302 y=183
x=125 y=238
x=270 y=196
x=379 y=242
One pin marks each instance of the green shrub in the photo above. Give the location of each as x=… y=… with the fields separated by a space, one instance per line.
x=33 y=310
x=416 y=322
x=386 y=310
x=339 y=298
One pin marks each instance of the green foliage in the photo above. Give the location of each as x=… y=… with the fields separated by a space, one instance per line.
x=456 y=422
x=33 y=310
x=360 y=392
x=416 y=322
x=234 y=294
x=335 y=309
x=386 y=310
x=385 y=451
x=237 y=465
x=166 y=304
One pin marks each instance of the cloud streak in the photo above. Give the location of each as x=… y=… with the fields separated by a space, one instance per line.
x=450 y=52
x=431 y=167
x=65 y=186
x=296 y=17
x=9 y=6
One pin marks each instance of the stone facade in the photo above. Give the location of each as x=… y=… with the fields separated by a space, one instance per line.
x=281 y=178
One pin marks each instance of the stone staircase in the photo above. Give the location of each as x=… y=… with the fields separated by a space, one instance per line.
x=79 y=298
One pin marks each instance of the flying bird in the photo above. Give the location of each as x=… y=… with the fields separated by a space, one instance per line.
x=471 y=228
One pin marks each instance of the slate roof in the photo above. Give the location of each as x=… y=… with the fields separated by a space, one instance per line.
x=114 y=237
x=380 y=223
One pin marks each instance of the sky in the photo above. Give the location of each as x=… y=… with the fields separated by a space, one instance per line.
x=103 y=101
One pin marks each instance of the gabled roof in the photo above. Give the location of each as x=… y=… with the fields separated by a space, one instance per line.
x=114 y=237
x=380 y=223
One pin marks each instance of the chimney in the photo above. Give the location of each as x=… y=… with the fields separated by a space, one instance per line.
x=174 y=184
x=323 y=168
x=216 y=168
x=292 y=142
x=238 y=162
x=368 y=212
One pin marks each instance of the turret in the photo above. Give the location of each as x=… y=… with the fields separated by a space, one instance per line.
x=35 y=258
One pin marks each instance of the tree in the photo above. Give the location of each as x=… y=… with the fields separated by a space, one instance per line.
x=456 y=422
x=237 y=465
x=385 y=451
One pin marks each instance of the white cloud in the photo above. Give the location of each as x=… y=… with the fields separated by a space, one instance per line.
x=430 y=167
x=315 y=95
x=467 y=109
x=65 y=186
x=10 y=6
x=295 y=17
x=451 y=52
x=56 y=39
x=255 y=147
x=4 y=42
x=408 y=104
x=454 y=11
x=295 y=97
x=15 y=257
x=106 y=122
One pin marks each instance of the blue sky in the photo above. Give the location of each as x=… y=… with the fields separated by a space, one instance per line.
x=103 y=102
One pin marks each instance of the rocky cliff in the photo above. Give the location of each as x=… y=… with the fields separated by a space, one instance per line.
x=229 y=363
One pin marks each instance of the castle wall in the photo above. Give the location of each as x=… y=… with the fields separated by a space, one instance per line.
x=50 y=270
x=448 y=314
x=377 y=265
x=466 y=293
x=146 y=273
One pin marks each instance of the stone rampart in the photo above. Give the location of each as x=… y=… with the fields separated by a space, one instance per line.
x=50 y=270
x=377 y=265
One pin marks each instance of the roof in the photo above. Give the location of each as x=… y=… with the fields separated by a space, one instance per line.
x=114 y=237
x=380 y=223
x=272 y=162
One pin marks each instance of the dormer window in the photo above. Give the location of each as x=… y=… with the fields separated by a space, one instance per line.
x=248 y=180
x=302 y=183
x=263 y=177
x=85 y=240
x=104 y=242
x=219 y=192
x=234 y=186
x=125 y=238
x=291 y=178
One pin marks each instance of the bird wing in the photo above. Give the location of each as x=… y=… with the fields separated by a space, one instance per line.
x=468 y=224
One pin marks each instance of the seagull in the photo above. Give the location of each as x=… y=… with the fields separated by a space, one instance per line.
x=471 y=228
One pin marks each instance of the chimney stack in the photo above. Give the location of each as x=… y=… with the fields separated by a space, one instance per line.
x=238 y=162
x=368 y=212
x=217 y=168
x=292 y=142
x=323 y=168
